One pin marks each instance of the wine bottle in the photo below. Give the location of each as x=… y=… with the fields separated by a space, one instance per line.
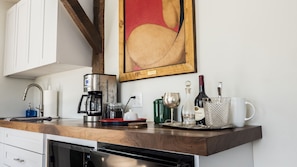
x=199 y=114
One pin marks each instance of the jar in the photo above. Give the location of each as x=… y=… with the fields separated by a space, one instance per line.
x=114 y=111
x=161 y=112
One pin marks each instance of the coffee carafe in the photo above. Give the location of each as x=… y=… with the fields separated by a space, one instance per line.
x=93 y=103
x=101 y=89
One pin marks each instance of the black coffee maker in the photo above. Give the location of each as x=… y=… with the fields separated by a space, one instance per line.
x=102 y=89
x=93 y=103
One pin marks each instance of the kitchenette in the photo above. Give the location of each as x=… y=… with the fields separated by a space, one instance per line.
x=200 y=146
x=104 y=140
x=40 y=35
x=59 y=60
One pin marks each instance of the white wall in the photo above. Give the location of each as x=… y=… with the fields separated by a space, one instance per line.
x=249 y=45
x=70 y=88
x=11 y=90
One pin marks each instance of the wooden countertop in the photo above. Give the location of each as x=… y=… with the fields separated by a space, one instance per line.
x=198 y=142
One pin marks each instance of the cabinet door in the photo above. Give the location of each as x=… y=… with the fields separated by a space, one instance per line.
x=22 y=42
x=50 y=32
x=1 y=147
x=16 y=157
x=1 y=154
x=36 y=33
x=23 y=139
x=1 y=135
x=10 y=42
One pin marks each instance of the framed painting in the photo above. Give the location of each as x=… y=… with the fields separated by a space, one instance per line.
x=157 y=38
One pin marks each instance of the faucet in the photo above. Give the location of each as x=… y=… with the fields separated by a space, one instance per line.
x=40 y=108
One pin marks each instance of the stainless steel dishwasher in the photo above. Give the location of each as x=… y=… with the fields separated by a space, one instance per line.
x=61 y=154
x=108 y=155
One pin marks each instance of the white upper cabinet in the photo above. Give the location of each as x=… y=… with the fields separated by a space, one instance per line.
x=10 y=39
x=22 y=32
x=36 y=33
x=42 y=38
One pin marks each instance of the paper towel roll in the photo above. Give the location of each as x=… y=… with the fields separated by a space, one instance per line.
x=50 y=101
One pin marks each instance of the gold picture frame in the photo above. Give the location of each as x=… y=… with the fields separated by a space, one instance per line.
x=186 y=64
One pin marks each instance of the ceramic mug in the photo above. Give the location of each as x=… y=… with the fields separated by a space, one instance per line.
x=130 y=116
x=239 y=111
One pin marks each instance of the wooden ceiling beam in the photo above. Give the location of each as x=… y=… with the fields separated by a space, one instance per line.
x=84 y=24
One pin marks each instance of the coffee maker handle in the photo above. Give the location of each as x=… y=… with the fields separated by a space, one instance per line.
x=79 y=104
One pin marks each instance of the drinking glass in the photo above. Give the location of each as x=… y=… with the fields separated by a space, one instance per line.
x=171 y=100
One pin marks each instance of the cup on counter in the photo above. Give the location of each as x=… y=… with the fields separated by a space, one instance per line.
x=217 y=110
x=239 y=111
x=130 y=116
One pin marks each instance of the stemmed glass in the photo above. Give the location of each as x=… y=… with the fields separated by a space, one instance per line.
x=171 y=100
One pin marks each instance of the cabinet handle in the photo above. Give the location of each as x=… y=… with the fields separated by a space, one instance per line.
x=19 y=160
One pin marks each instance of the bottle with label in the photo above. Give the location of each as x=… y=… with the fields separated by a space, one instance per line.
x=199 y=111
x=188 y=113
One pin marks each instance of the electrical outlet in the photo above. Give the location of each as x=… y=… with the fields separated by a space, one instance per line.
x=137 y=102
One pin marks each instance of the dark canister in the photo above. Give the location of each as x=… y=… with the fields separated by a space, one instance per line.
x=161 y=112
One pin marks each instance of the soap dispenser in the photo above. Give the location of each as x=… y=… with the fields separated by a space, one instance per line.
x=31 y=112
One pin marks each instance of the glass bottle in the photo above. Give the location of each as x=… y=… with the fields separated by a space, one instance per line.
x=199 y=113
x=188 y=112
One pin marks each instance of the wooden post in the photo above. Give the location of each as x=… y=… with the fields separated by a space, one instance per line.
x=98 y=58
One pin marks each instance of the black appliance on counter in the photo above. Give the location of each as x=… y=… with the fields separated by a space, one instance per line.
x=109 y=155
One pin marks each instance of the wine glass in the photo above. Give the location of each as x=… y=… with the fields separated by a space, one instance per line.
x=171 y=100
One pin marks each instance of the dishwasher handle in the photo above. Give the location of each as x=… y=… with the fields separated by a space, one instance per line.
x=102 y=154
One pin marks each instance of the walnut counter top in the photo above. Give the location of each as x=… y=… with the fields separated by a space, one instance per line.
x=153 y=137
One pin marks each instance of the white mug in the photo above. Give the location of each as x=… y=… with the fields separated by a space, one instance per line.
x=130 y=116
x=239 y=110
